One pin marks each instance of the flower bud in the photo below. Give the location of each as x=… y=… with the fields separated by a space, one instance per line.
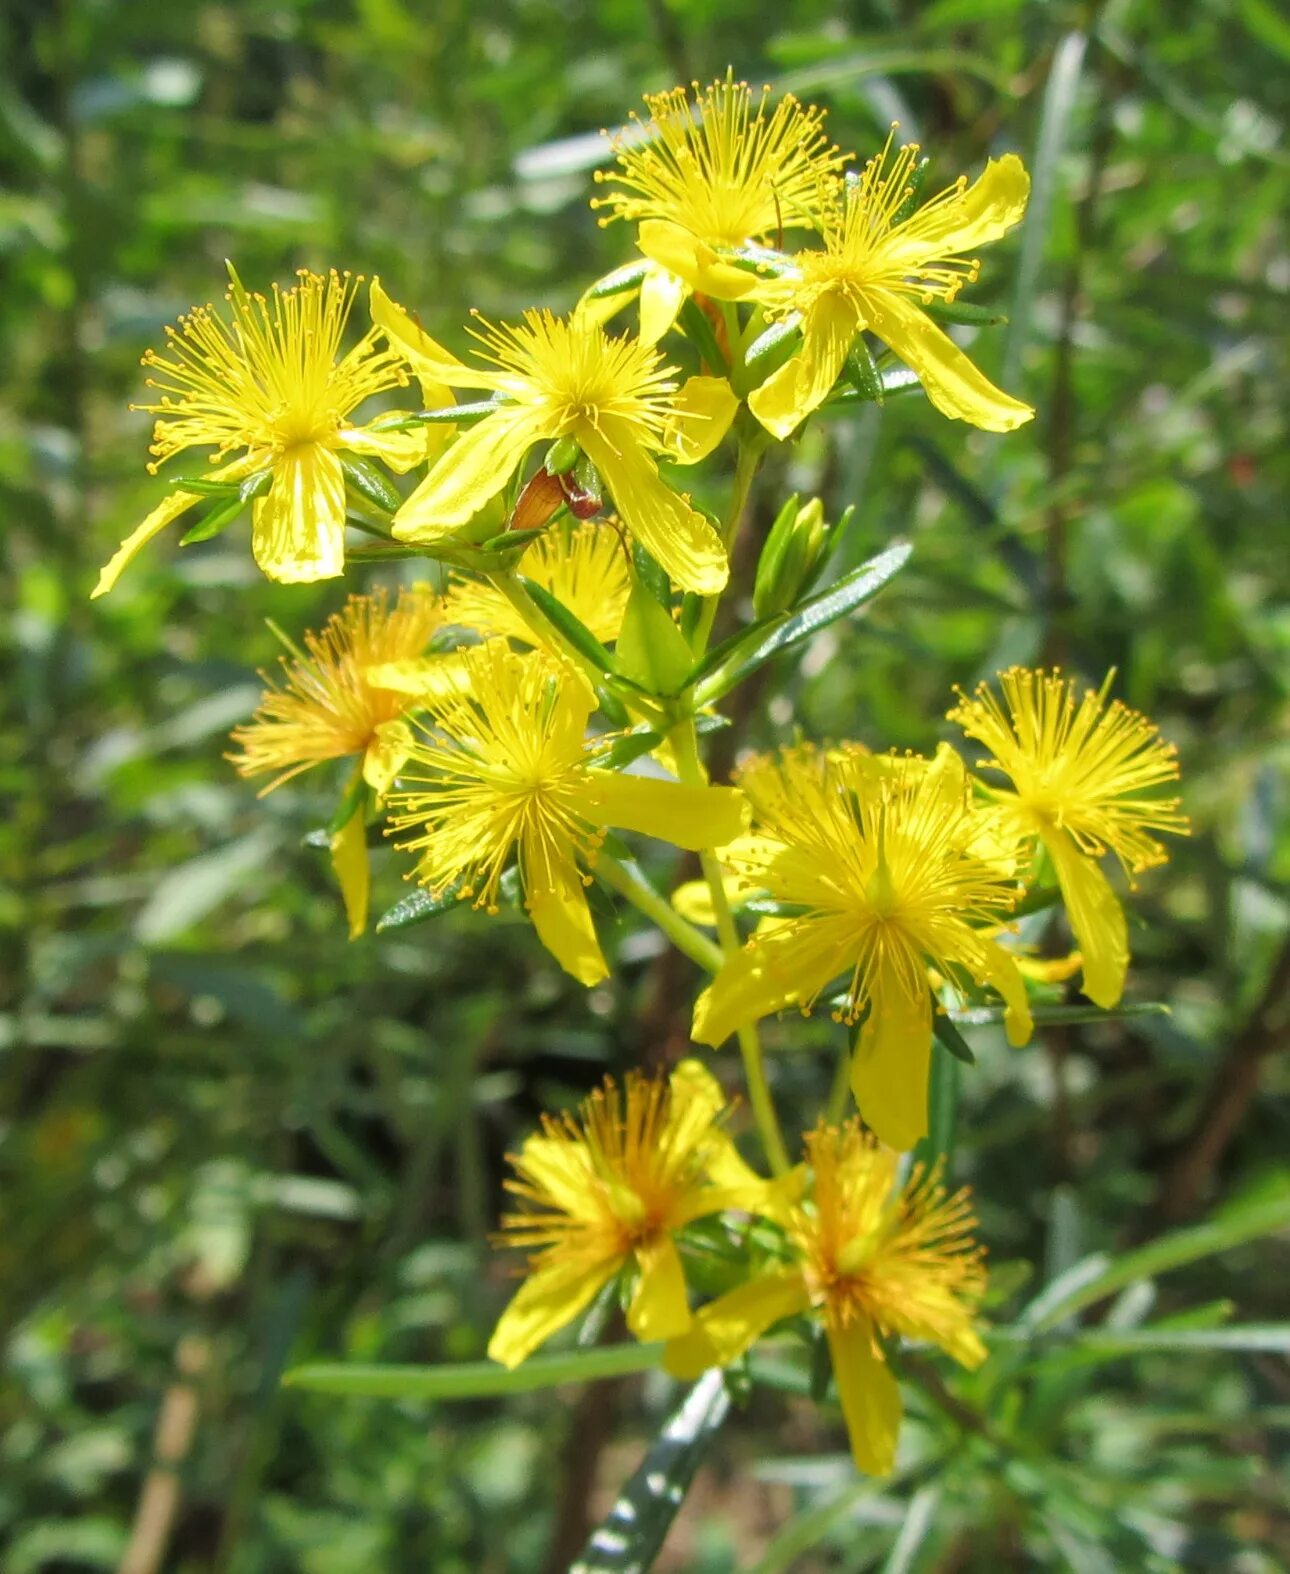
x=792 y=557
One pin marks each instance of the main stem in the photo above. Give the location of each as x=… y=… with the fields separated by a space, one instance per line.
x=686 y=746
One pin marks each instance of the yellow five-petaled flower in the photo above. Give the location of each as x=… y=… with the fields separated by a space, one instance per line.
x=556 y=377
x=869 y=1260
x=877 y=271
x=884 y=867
x=1083 y=777
x=509 y=770
x=269 y=392
x=610 y=1190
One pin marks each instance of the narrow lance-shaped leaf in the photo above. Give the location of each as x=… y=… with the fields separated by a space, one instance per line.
x=634 y=1530
x=571 y=627
x=472 y=1379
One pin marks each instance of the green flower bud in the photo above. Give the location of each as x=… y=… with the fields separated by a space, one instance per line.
x=792 y=557
x=561 y=457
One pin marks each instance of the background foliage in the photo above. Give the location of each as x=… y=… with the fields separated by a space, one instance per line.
x=229 y=1139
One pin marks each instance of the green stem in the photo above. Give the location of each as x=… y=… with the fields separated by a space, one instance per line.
x=684 y=936
x=686 y=745
x=746 y=464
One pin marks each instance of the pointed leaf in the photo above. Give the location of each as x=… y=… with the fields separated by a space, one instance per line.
x=573 y=629
x=472 y=1379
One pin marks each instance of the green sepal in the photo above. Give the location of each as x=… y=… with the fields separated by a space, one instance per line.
x=619 y=282
x=964 y=312
x=370 y=483
x=771 y=349
x=790 y=629
x=639 y=740
x=952 y=1040
x=446 y=415
x=651 y=650
x=895 y=379
x=562 y=456
x=572 y=628
x=694 y=324
x=861 y=371
x=213 y=521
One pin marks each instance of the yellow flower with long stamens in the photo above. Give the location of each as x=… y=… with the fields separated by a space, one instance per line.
x=510 y=771
x=565 y=377
x=328 y=708
x=874 y=861
x=876 y=273
x=1082 y=775
x=705 y=177
x=871 y=1261
x=268 y=390
x=586 y=568
x=609 y=1190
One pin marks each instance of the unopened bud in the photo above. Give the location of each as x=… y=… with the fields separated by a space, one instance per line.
x=540 y=499
x=792 y=557
x=582 y=489
x=561 y=457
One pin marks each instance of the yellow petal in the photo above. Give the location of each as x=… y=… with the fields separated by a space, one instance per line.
x=693 y=900
x=676 y=535
x=386 y=755
x=999 y=969
x=697 y=263
x=557 y=905
x=469 y=474
x=676 y=812
x=870 y=1397
x=659 y=1308
x=892 y=1059
x=953 y=383
x=427 y=358
x=167 y=510
x=399 y=450
x=734 y=1322
x=350 y=865
x=988 y=209
x=662 y=295
x=298 y=526
x=548 y=1299
x=788 y=965
x=1096 y=917
x=805 y=381
x=423 y=677
x=702 y=411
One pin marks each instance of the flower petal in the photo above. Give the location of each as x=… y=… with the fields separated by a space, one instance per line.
x=399 y=450
x=469 y=474
x=703 y=268
x=662 y=295
x=702 y=410
x=386 y=755
x=781 y=967
x=549 y=1298
x=1096 y=917
x=676 y=535
x=952 y=382
x=350 y=865
x=891 y=1064
x=999 y=969
x=870 y=1397
x=733 y=1323
x=984 y=212
x=687 y=816
x=805 y=381
x=298 y=526
x=427 y=358
x=167 y=510
x=557 y=905
x=660 y=1308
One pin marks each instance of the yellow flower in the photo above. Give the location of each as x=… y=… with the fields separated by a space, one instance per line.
x=1081 y=772
x=328 y=708
x=871 y=1261
x=510 y=769
x=586 y=569
x=266 y=391
x=874 y=273
x=612 y=1188
x=873 y=859
x=707 y=177
x=565 y=377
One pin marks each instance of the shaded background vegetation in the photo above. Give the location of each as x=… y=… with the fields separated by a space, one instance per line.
x=229 y=1139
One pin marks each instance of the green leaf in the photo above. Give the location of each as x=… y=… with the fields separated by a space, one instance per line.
x=416 y=907
x=212 y=522
x=1097 y=1276
x=651 y=650
x=771 y=349
x=628 y=277
x=965 y=312
x=447 y=415
x=371 y=484
x=572 y=628
x=920 y=1517
x=861 y=371
x=949 y=1036
x=850 y=592
x=630 y=746
x=471 y=1379
x=895 y=380
x=693 y=321
x=634 y=1530
x=203 y=487
x=1062 y=1016
x=652 y=575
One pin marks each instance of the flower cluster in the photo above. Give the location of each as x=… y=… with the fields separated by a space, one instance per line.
x=549 y=688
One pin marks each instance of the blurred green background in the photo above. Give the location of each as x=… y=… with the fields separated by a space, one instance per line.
x=230 y=1141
